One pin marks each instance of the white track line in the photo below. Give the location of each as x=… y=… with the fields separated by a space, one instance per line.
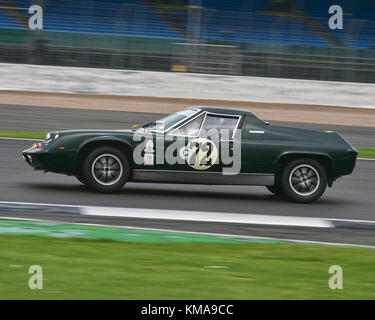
x=198 y=233
x=206 y=216
x=138 y=212
x=38 y=204
x=199 y=216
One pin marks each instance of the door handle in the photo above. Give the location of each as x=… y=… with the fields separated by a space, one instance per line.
x=256 y=131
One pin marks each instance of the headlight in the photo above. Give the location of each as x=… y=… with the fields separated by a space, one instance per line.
x=51 y=136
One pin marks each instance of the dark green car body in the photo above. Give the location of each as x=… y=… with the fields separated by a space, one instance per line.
x=265 y=148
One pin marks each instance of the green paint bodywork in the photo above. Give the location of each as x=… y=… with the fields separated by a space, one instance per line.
x=260 y=153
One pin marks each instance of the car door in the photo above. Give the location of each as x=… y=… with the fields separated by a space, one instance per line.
x=205 y=144
x=199 y=150
x=219 y=133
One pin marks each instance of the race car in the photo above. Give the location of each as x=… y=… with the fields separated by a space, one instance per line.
x=200 y=145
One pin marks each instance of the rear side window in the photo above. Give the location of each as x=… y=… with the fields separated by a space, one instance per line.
x=226 y=125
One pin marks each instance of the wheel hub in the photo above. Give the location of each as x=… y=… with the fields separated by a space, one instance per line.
x=304 y=180
x=107 y=169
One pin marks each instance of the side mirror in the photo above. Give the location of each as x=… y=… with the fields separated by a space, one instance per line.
x=267 y=123
x=134 y=127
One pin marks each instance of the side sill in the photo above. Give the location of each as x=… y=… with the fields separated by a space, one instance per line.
x=194 y=177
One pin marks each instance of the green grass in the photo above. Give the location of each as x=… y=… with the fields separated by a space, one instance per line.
x=366 y=153
x=363 y=152
x=90 y=269
x=23 y=134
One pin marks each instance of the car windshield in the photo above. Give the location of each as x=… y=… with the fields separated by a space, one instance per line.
x=169 y=121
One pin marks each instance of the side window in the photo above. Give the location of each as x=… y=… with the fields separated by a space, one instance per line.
x=191 y=128
x=225 y=125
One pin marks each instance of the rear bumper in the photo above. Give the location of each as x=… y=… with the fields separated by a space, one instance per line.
x=345 y=165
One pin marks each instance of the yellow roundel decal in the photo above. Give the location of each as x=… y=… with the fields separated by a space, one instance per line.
x=201 y=153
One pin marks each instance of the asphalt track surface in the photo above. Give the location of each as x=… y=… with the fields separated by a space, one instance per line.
x=14 y=117
x=352 y=197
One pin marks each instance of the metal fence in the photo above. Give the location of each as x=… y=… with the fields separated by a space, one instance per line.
x=206 y=58
x=137 y=41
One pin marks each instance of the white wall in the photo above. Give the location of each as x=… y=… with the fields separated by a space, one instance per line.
x=182 y=85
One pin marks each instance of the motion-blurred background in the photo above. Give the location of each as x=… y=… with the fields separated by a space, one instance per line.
x=273 y=38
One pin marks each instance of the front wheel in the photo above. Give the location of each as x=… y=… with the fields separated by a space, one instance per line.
x=106 y=169
x=304 y=180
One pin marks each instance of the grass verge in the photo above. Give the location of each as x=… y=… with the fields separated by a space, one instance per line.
x=23 y=134
x=366 y=153
x=93 y=269
x=363 y=152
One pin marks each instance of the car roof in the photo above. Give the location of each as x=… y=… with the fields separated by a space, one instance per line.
x=222 y=110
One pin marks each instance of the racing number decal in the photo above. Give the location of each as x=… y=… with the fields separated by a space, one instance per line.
x=200 y=153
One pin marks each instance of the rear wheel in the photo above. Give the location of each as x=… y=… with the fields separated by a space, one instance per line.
x=106 y=169
x=304 y=180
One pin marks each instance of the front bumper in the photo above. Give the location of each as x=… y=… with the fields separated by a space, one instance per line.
x=32 y=159
x=50 y=158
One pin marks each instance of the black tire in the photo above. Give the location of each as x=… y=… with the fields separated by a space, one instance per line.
x=81 y=179
x=304 y=180
x=275 y=189
x=106 y=169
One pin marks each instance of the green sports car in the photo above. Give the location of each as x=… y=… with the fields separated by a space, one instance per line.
x=200 y=145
